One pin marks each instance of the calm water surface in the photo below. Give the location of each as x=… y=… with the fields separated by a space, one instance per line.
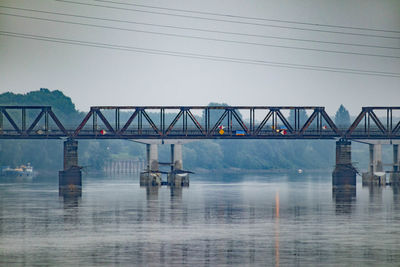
x=264 y=220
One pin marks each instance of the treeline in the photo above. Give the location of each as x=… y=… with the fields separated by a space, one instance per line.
x=208 y=154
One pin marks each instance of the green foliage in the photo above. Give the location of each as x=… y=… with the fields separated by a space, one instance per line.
x=302 y=116
x=342 y=117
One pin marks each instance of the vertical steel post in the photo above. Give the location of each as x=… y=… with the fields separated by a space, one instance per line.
x=46 y=120
x=183 y=120
x=320 y=122
x=162 y=120
x=94 y=122
x=208 y=120
x=387 y=121
x=140 y=128
x=229 y=120
x=117 y=119
x=251 y=120
x=365 y=123
x=23 y=119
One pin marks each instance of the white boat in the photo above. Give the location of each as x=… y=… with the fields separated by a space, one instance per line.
x=23 y=171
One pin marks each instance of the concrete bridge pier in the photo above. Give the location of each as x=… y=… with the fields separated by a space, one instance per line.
x=395 y=175
x=375 y=174
x=151 y=176
x=344 y=174
x=70 y=179
x=174 y=177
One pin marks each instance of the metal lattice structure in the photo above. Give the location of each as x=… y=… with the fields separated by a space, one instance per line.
x=368 y=125
x=195 y=122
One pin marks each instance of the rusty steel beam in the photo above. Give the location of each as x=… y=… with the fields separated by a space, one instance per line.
x=83 y=123
x=377 y=121
x=309 y=121
x=356 y=122
x=11 y=121
x=35 y=121
x=105 y=121
x=175 y=120
x=57 y=121
x=129 y=122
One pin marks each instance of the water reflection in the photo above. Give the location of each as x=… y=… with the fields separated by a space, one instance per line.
x=176 y=193
x=151 y=192
x=71 y=201
x=345 y=198
x=277 y=228
x=264 y=223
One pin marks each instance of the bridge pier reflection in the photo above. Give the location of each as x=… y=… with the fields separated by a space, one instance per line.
x=344 y=199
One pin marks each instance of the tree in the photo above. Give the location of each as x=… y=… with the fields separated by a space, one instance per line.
x=342 y=117
x=302 y=116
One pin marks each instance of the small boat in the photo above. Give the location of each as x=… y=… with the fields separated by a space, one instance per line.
x=299 y=171
x=23 y=171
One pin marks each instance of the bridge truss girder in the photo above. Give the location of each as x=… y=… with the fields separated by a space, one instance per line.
x=181 y=122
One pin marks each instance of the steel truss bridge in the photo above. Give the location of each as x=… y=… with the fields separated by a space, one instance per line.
x=196 y=122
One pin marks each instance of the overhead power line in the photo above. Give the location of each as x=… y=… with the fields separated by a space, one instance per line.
x=198 y=56
x=231 y=21
x=204 y=38
x=251 y=18
x=202 y=30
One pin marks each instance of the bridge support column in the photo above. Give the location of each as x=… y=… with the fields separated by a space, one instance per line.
x=395 y=175
x=151 y=176
x=174 y=177
x=375 y=174
x=344 y=174
x=70 y=179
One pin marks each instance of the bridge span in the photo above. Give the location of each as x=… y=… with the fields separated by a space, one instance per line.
x=196 y=122
x=373 y=125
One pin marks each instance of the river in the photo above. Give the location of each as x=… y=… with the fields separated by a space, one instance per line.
x=221 y=219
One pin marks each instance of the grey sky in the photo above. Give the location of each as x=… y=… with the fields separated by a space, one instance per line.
x=97 y=76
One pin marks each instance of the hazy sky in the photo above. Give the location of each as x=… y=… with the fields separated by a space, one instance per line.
x=99 y=76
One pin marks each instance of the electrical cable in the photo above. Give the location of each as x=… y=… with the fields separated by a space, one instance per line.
x=205 y=38
x=201 y=30
x=251 y=18
x=199 y=56
x=231 y=21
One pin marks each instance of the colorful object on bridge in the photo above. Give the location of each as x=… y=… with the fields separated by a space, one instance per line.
x=103 y=132
x=324 y=127
x=283 y=131
x=221 y=129
x=240 y=132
